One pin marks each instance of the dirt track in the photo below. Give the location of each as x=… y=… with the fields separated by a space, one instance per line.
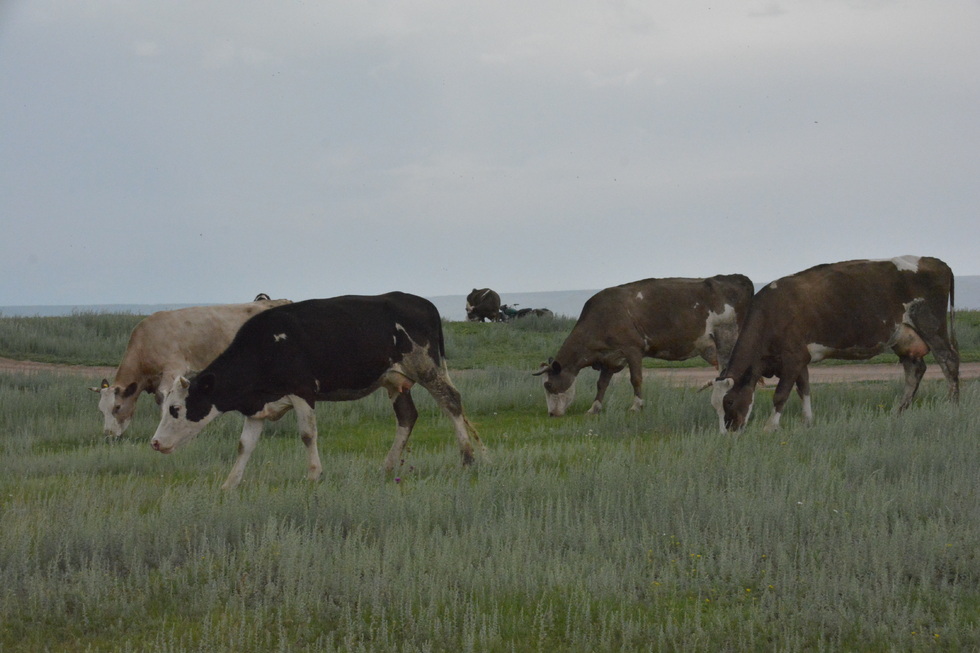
x=694 y=376
x=820 y=373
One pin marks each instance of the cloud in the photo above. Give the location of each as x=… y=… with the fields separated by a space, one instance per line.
x=345 y=146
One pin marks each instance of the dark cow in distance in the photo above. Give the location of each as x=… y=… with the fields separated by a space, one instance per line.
x=483 y=304
x=850 y=310
x=508 y=313
x=165 y=345
x=338 y=349
x=672 y=319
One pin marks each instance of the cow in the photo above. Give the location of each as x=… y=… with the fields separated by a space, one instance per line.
x=849 y=310
x=165 y=345
x=338 y=349
x=483 y=304
x=671 y=319
x=508 y=313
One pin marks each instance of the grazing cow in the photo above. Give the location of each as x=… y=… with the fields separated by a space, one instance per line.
x=850 y=310
x=338 y=349
x=165 y=345
x=483 y=304
x=671 y=319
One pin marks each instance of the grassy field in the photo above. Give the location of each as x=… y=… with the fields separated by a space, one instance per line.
x=100 y=339
x=622 y=531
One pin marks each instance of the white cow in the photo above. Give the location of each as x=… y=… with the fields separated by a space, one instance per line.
x=166 y=345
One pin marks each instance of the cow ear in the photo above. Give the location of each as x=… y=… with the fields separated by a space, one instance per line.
x=105 y=384
x=551 y=367
x=130 y=390
x=726 y=382
x=182 y=383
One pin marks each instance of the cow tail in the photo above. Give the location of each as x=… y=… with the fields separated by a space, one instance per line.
x=442 y=342
x=952 y=313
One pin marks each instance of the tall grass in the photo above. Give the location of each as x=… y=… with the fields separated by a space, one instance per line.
x=101 y=338
x=623 y=531
x=78 y=339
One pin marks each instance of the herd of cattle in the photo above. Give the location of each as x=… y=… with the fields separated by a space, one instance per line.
x=484 y=305
x=267 y=357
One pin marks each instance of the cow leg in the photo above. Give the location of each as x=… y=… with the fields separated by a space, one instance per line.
x=636 y=380
x=803 y=389
x=931 y=328
x=246 y=445
x=605 y=375
x=406 y=414
x=914 y=369
x=448 y=398
x=783 y=390
x=724 y=338
x=306 y=420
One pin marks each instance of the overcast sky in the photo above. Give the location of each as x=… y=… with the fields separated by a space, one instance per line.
x=202 y=152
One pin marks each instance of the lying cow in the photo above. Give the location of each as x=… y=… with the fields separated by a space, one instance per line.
x=670 y=319
x=165 y=345
x=483 y=304
x=508 y=313
x=850 y=310
x=337 y=349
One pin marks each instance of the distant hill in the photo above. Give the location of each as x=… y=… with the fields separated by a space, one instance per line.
x=451 y=307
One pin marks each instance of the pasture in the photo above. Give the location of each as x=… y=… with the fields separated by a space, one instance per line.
x=621 y=531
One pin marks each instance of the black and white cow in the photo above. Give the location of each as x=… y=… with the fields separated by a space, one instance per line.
x=338 y=349
x=671 y=319
x=849 y=310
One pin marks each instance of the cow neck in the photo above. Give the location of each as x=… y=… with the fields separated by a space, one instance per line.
x=232 y=389
x=574 y=355
x=744 y=365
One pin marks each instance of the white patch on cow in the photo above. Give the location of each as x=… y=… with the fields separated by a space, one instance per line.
x=906 y=263
x=807 y=410
x=773 y=285
x=175 y=429
x=278 y=337
x=114 y=423
x=727 y=316
x=718 y=391
x=772 y=424
x=559 y=402
x=639 y=295
x=818 y=352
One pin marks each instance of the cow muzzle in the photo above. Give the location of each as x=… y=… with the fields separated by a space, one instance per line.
x=157 y=446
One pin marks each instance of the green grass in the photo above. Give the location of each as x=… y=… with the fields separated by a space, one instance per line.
x=101 y=338
x=622 y=531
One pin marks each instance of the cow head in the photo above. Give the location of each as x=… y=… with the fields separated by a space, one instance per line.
x=185 y=411
x=733 y=404
x=117 y=405
x=559 y=387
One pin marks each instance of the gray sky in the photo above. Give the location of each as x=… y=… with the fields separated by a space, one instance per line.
x=206 y=151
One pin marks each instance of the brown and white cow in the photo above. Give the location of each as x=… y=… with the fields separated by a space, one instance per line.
x=671 y=319
x=165 y=345
x=483 y=304
x=849 y=310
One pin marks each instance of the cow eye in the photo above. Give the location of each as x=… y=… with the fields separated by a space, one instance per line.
x=174 y=412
